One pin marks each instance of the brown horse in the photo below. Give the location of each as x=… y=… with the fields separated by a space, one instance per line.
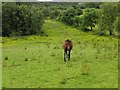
x=67 y=49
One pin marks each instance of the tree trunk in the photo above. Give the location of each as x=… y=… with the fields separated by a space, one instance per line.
x=91 y=28
x=110 y=32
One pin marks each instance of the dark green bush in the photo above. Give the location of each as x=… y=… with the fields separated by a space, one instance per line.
x=21 y=20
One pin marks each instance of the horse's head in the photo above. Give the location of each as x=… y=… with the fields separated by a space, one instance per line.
x=68 y=44
x=68 y=47
x=67 y=40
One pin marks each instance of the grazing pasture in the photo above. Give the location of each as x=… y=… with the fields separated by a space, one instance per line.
x=38 y=62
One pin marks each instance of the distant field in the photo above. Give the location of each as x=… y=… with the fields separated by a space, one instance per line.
x=37 y=61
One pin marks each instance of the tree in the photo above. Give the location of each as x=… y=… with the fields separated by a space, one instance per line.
x=36 y=20
x=20 y=19
x=92 y=4
x=69 y=15
x=89 y=18
x=46 y=12
x=109 y=11
x=8 y=18
x=84 y=5
x=79 y=11
x=54 y=14
x=117 y=24
x=77 y=21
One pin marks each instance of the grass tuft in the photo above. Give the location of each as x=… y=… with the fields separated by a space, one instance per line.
x=6 y=57
x=26 y=59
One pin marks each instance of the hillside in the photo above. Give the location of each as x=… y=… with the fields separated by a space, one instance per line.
x=37 y=61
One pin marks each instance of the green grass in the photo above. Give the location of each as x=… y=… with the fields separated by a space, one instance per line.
x=37 y=61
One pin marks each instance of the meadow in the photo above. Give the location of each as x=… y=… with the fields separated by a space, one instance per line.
x=37 y=61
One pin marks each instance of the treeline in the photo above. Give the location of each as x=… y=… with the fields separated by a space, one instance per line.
x=100 y=18
x=20 y=20
x=27 y=18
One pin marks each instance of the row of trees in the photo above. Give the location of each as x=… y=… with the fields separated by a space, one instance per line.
x=105 y=18
x=84 y=16
x=20 y=19
x=27 y=18
x=80 y=20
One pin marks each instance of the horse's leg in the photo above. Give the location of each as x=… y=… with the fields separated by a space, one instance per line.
x=69 y=55
x=65 y=52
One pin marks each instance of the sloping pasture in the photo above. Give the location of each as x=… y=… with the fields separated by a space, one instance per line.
x=37 y=61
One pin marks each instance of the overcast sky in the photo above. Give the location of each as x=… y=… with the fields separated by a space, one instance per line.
x=60 y=0
x=43 y=0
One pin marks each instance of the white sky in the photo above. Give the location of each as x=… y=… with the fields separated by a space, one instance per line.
x=62 y=0
x=82 y=0
x=44 y=0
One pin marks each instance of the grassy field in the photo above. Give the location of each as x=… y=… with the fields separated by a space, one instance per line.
x=37 y=61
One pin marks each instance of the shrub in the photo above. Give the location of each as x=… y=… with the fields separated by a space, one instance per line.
x=6 y=57
x=21 y=20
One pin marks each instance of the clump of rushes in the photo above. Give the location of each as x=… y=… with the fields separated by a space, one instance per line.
x=52 y=54
x=26 y=59
x=63 y=81
x=85 y=70
x=6 y=57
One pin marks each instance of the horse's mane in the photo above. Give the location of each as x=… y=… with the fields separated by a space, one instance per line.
x=67 y=40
